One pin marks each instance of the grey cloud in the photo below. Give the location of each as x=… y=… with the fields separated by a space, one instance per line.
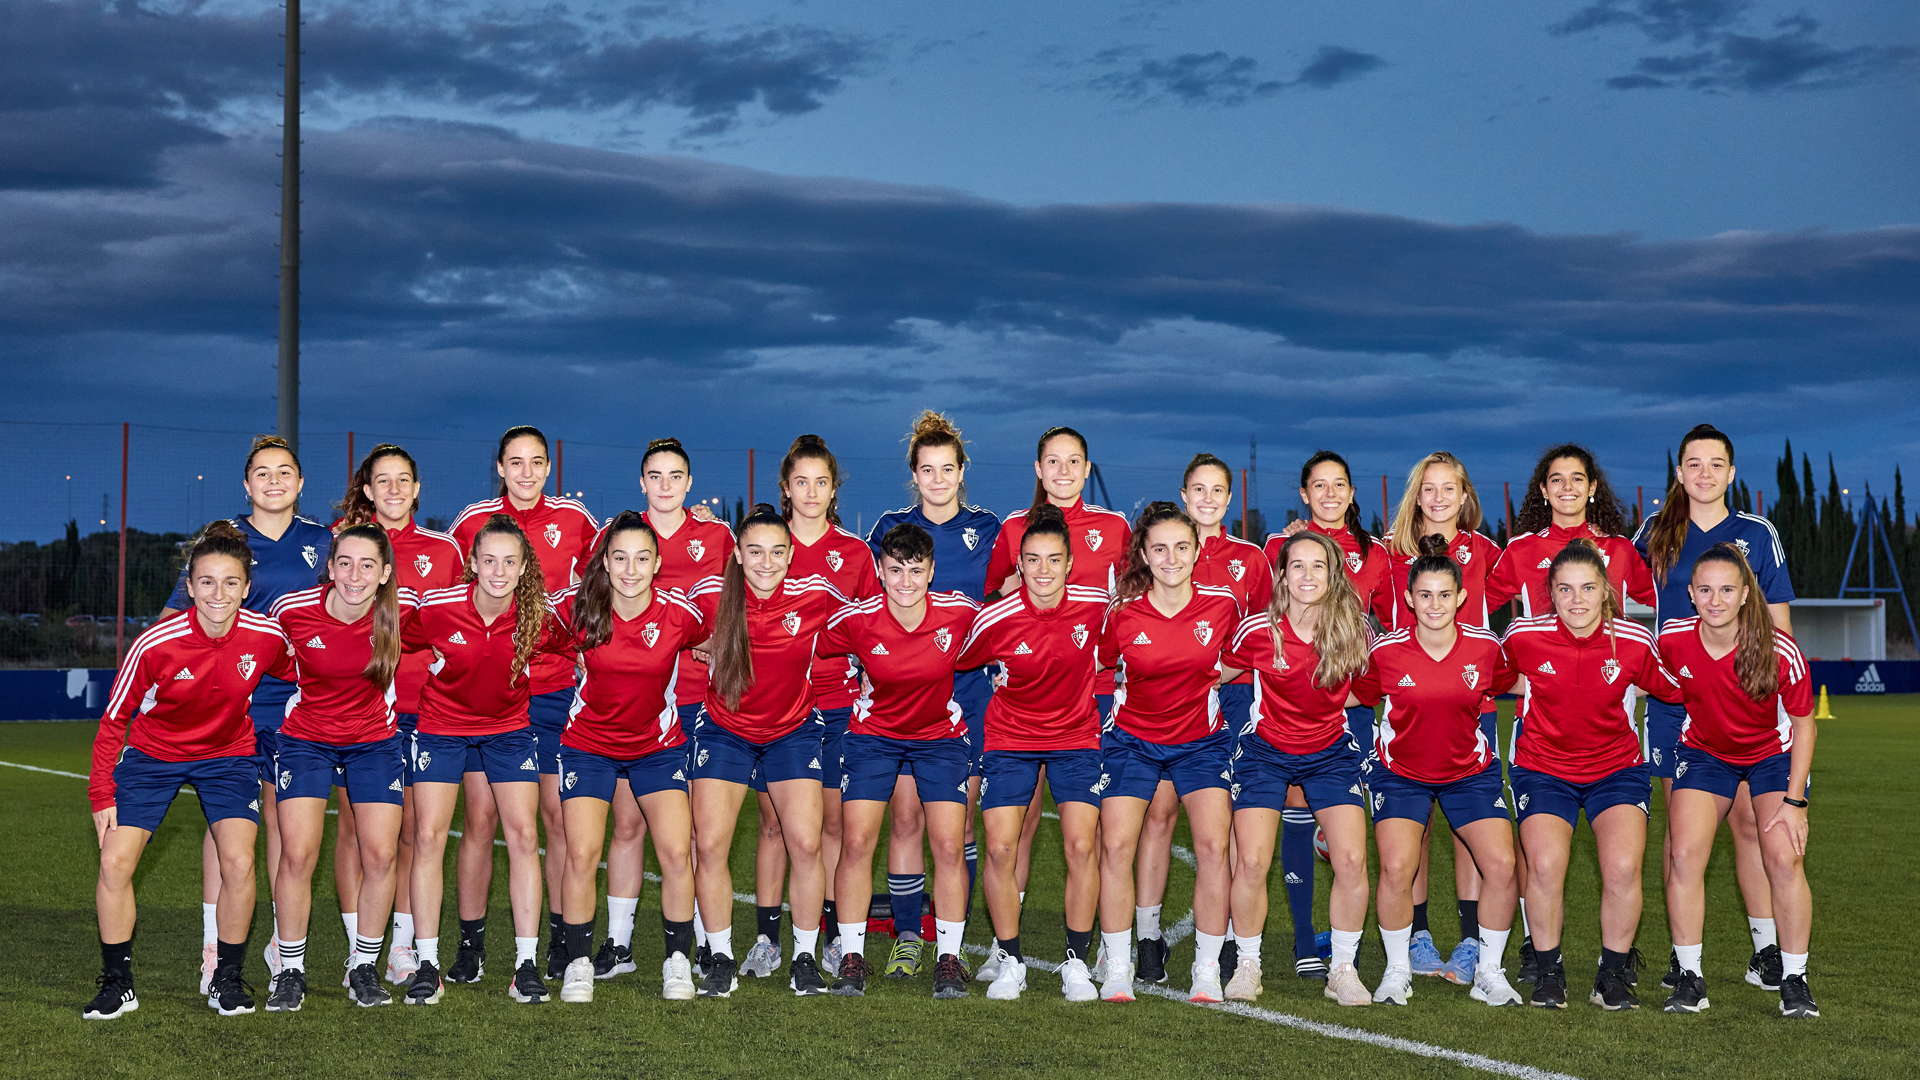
x=1335 y=64
x=1217 y=79
x=1659 y=20
x=1725 y=61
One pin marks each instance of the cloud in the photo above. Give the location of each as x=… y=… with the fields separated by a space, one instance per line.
x=1335 y=64
x=1725 y=61
x=1217 y=79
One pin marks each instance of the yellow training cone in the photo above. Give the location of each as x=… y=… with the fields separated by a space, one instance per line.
x=1823 y=713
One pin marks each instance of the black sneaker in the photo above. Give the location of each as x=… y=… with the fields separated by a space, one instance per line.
x=229 y=994
x=1634 y=963
x=950 y=977
x=1763 y=968
x=1529 y=965
x=1689 y=994
x=1550 y=988
x=702 y=956
x=722 y=976
x=556 y=959
x=468 y=965
x=1612 y=992
x=288 y=991
x=1310 y=967
x=805 y=980
x=612 y=960
x=527 y=987
x=426 y=986
x=1795 y=999
x=1672 y=978
x=363 y=987
x=1229 y=958
x=115 y=996
x=1150 y=961
x=852 y=978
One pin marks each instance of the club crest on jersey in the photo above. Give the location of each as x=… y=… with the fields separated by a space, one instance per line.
x=552 y=533
x=1094 y=539
x=1471 y=676
x=942 y=638
x=696 y=550
x=1236 y=569
x=246 y=665
x=791 y=621
x=970 y=536
x=1079 y=635
x=834 y=561
x=312 y=557
x=1741 y=544
x=1203 y=632
x=1610 y=670
x=1354 y=562
x=423 y=564
x=650 y=633
x=1463 y=554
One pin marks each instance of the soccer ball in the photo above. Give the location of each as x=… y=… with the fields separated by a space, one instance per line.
x=1320 y=844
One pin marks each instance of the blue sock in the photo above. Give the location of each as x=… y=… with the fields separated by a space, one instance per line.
x=908 y=891
x=1296 y=862
x=972 y=851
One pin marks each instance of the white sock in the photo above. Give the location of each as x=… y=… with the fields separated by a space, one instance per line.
x=1023 y=898
x=1689 y=957
x=1396 y=942
x=365 y=951
x=351 y=920
x=1146 y=922
x=1206 y=947
x=1793 y=963
x=620 y=911
x=293 y=955
x=1763 y=933
x=720 y=941
x=1493 y=946
x=209 y=925
x=853 y=937
x=700 y=929
x=1116 y=944
x=1248 y=946
x=804 y=941
x=524 y=948
x=1525 y=930
x=402 y=928
x=1231 y=936
x=429 y=948
x=947 y=936
x=1346 y=946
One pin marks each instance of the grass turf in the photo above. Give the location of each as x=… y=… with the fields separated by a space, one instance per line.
x=1862 y=865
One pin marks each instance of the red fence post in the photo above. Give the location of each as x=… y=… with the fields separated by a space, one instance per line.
x=560 y=465
x=1386 y=515
x=352 y=465
x=1760 y=503
x=750 y=502
x=1506 y=495
x=1640 y=500
x=1246 y=512
x=120 y=623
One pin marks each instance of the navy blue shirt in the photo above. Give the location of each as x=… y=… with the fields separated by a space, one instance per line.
x=1752 y=534
x=961 y=546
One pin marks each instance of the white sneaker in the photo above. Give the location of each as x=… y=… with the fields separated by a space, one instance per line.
x=578 y=985
x=830 y=959
x=990 y=970
x=1116 y=979
x=762 y=960
x=346 y=974
x=1345 y=987
x=1010 y=977
x=1490 y=985
x=1076 y=982
x=1396 y=986
x=209 y=956
x=676 y=978
x=402 y=962
x=1245 y=984
x=1206 y=983
x=272 y=956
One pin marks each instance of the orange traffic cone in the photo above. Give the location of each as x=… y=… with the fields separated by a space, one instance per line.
x=1823 y=713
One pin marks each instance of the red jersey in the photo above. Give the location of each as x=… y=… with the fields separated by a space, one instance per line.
x=334 y=702
x=1366 y=569
x=183 y=696
x=780 y=635
x=1290 y=710
x=1097 y=538
x=1428 y=711
x=1047 y=701
x=422 y=560
x=1721 y=718
x=470 y=690
x=1233 y=563
x=562 y=534
x=1576 y=717
x=1522 y=570
x=627 y=703
x=907 y=689
x=1476 y=555
x=697 y=550
x=844 y=560
x=1170 y=664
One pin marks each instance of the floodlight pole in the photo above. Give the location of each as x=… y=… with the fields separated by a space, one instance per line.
x=290 y=237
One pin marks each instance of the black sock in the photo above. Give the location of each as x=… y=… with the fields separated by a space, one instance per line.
x=1011 y=946
x=829 y=915
x=768 y=921
x=1548 y=959
x=679 y=936
x=1420 y=919
x=1469 y=919
x=473 y=933
x=229 y=955
x=577 y=939
x=1079 y=944
x=117 y=957
x=1613 y=961
x=556 y=926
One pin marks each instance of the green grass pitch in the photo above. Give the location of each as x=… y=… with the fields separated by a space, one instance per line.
x=1862 y=864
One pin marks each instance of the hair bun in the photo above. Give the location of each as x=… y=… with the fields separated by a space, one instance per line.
x=1433 y=544
x=930 y=422
x=222 y=529
x=1046 y=512
x=808 y=442
x=668 y=443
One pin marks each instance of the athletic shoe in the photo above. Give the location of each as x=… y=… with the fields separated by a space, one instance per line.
x=722 y=977
x=1529 y=963
x=989 y=970
x=288 y=991
x=1672 y=978
x=1116 y=979
x=1634 y=963
x=1010 y=977
x=1763 y=968
x=676 y=978
x=229 y=994
x=949 y=978
x=905 y=959
x=426 y=986
x=1310 y=967
x=209 y=956
x=702 y=956
x=556 y=958
x=346 y=972
x=805 y=980
x=613 y=960
x=1424 y=954
x=852 y=979
x=468 y=965
x=1345 y=987
x=271 y=954
x=1206 y=984
x=1550 y=988
x=1689 y=994
x=1245 y=984
x=115 y=996
x=1151 y=967
x=1795 y=999
x=1611 y=991
x=830 y=958
x=1491 y=986
x=402 y=962
x=1396 y=986
x=364 y=989
x=1076 y=982
x=762 y=960
x=527 y=987
x=1465 y=960
x=577 y=989
x=1229 y=955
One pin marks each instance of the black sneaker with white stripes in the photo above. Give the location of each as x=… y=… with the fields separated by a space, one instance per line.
x=1672 y=978
x=1310 y=967
x=288 y=990
x=363 y=987
x=1763 y=968
x=468 y=965
x=1689 y=994
x=527 y=987
x=722 y=976
x=1795 y=999
x=1612 y=992
x=702 y=956
x=1150 y=960
x=229 y=994
x=612 y=960
x=805 y=979
x=115 y=996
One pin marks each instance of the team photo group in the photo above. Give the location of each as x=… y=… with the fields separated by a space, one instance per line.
x=579 y=688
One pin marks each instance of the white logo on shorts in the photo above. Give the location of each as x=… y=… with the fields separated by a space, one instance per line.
x=1379 y=801
x=700 y=759
x=1656 y=755
x=1293 y=878
x=680 y=775
x=395 y=786
x=845 y=780
x=1500 y=801
x=1101 y=785
x=421 y=761
x=1524 y=800
x=529 y=766
x=286 y=779
x=814 y=764
x=571 y=777
x=1680 y=770
x=1234 y=792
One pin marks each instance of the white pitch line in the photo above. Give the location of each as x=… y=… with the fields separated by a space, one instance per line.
x=51 y=772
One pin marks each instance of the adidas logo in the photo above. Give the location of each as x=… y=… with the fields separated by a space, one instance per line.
x=314 y=642
x=254 y=806
x=395 y=786
x=529 y=766
x=814 y=764
x=1869 y=682
x=880 y=650
x=1023 y=650
x=1545 y=564
x=456 y=639
x=1547 y=668
x=184 y=674
x=1142 y=639
x=1500 y=801
x=1406 y=680
x=1293 y=879
x=680 y=775
x=1684 y=673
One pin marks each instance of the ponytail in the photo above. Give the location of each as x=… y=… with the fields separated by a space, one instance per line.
x=1359 y=531
x=1754 y=659
x=593 y=604
x=529 y=596
x=356 y=508
x=1667 y=533
x=386 y=603
x=1047 y=520
x=1137 y=578
x=1340 y=633
x=731 y=666
x=1047 y=436
x=810 y=447
x=1434 y=560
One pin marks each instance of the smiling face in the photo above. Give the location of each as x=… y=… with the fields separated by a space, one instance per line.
x=1567 y=489
x=1062 y=469
x=357 y=571
x=523 y=465
x=1441 y=495
x=273 y=481
x=1308 y=573
x=1435 y=598
x=906 y=582
x=1044 y=565
x=666 y=478
x=218 y=585
x=1328 y=494
x=1170 y=550
x=1717 y=592
x=631 y=562
x=764 y=554
x=1579 y=596
x=809 y=488
x=498 y=561
x=938 y=475
x=1706 y=468
x=1207 y=494
x=393 y=491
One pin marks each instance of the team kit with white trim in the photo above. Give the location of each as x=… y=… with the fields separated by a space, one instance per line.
x=544 y=672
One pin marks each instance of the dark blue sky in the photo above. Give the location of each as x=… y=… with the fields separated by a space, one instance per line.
x=1379 y=227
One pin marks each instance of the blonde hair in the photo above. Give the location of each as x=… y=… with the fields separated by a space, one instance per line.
x=1407 y=519
x=1340 y=636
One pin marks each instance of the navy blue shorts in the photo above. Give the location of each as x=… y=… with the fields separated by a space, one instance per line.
x=548 y=714
x=1134 y=767
x=833 y=728
x=1262 y=772
x=1236 y=708
x=266 y=746
x=1660 y=735
x=1464 y=801
x=719 y=754
x=1010 y=777
x=144 y=787
x=1490 y=729
x=506 y=758
x=1698 y=770
x=1541 y=793
x=371 y=772
x=872 y=764
x=408 y=723
x=689 y=717
x=587 y=775
x=1360 y=726
x=972 y=690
